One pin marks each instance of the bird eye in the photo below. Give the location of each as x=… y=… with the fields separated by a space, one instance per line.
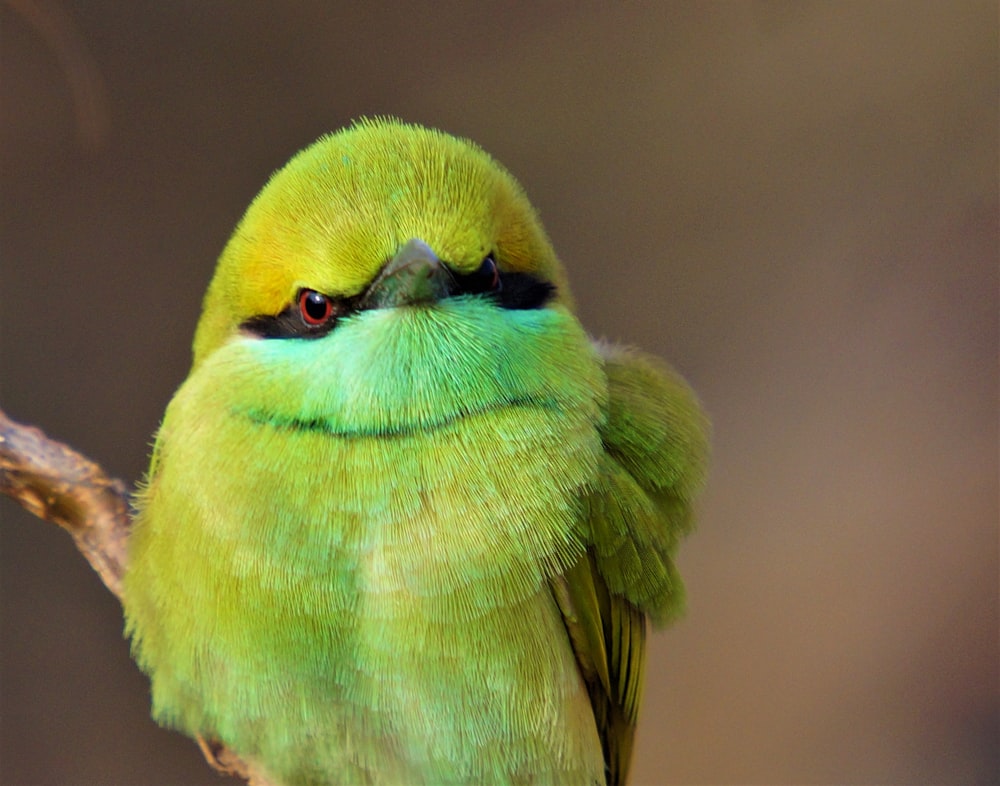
x=485 y=278
x=315 y=307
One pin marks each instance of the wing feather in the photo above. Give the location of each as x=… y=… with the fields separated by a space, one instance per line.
x=656 y=441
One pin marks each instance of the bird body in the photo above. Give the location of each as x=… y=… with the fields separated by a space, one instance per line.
x=405 y=521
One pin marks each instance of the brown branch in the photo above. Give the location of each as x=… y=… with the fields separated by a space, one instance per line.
x=58 y=484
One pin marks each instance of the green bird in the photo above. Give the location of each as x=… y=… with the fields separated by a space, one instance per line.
x=405 y=522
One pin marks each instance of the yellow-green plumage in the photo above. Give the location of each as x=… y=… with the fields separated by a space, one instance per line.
x=421 y=546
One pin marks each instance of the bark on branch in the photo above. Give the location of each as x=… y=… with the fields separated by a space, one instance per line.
x=58 y=484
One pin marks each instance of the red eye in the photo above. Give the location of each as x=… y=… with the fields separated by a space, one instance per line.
x=490 y=272
x=483 y=280
x=315 y=307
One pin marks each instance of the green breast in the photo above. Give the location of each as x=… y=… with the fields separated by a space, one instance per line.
x=340 y=565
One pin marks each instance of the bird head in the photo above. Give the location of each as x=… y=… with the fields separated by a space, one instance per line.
x=390 y=277
x=382 y=214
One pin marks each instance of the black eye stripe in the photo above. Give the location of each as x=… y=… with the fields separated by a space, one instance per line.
x=485 y=279
x=287 y=324
x=520 y=291
x=515 y=291
x=290 y=323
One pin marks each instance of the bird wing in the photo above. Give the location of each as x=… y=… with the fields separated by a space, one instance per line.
x=655 y=437
x=608 y=635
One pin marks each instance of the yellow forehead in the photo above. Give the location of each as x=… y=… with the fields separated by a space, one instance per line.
x=341 y=208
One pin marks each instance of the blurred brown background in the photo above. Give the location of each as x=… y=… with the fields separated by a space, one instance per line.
x=794 y=202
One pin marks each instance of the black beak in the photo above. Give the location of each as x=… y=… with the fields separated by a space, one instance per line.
x=414 y=276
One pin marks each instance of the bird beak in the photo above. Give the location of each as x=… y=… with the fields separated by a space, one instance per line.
x=414 y=276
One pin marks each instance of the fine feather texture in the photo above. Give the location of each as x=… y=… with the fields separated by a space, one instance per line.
x=422 y=546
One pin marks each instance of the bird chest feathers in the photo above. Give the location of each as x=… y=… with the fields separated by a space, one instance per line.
x=400 y=588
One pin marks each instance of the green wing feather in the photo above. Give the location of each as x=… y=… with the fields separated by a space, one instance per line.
x=656 y=441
